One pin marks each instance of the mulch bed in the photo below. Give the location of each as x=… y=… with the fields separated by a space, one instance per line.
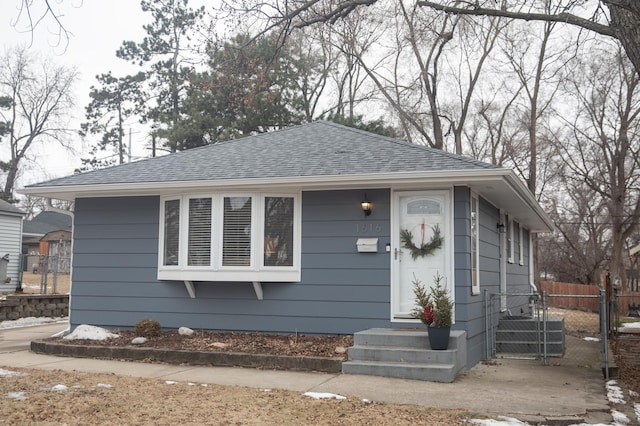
x=252 y=343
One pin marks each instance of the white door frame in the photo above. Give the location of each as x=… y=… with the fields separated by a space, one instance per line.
x=397 y=251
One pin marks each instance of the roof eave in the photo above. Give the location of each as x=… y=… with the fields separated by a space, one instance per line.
x=483 y=181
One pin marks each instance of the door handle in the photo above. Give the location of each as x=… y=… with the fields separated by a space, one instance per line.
x=395 y=253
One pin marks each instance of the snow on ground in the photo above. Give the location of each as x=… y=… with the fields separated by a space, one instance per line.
x=502 y=421
x=614 y=393
x=31 y=321
x=89 y=332
x=18 y=396
x=323 y=395
x=629 y=325
x=8 y=373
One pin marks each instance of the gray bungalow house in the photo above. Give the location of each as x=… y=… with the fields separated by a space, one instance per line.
x=298 y=230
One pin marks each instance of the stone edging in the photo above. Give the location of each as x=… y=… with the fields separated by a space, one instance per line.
x=171 y=356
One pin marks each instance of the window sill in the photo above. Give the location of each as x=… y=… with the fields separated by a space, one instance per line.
x=229 y=276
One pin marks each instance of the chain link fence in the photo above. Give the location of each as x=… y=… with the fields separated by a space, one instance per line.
x=44 y=274
x=557 y=329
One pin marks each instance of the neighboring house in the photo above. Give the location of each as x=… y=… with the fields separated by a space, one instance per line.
x=268 y=233
x=10 y=240
x=35 y=241
x=57 y=246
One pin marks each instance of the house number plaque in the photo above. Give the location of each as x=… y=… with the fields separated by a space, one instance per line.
x=363 y=228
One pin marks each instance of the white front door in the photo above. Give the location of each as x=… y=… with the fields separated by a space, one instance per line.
x=419 y=217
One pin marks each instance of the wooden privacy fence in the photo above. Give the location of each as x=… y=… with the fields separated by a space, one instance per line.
x=571 y=296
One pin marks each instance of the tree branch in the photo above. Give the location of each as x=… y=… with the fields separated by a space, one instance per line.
x=560 y=17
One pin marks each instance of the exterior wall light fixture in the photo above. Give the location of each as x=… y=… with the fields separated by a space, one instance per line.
x=366 y=205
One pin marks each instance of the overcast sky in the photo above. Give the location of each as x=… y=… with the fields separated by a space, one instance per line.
x=97 y=29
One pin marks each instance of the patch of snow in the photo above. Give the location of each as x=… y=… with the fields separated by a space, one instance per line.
x=185 y=331
x=366 y=401
x=89 y=332
x=171 y=382
x=31 y=321
x=9 y=373
x=265 y=390
x=629 y=325
x=204 y=385
x=501 y=421
x=633 y=393
x=591 y=339
x=104 y=385
x=59 y=388
x=614 y=393
x=324 y=395
x=619 y=418
x=636 y=409
x=139 y=341
x=19 y=396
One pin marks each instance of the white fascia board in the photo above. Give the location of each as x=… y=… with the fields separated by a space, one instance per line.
x=493 y=180
x=527 y=197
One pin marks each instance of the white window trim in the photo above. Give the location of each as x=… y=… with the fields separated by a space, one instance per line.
x=475 y=287
x=256 y=271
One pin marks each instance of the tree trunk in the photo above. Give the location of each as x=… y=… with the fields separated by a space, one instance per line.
x=625 y=23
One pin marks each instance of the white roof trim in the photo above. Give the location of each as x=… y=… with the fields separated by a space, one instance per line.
x=493 y=184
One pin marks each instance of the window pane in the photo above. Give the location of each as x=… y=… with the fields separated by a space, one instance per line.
x=236 y=238
x=278 y=231
x=423 y=207
x=171 y=232
x=475 y=284
x=199 y=232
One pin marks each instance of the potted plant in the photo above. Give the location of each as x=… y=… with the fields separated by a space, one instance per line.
x=435 y=309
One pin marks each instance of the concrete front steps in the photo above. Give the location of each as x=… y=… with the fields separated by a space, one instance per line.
x=524 y=336
x=405 y=353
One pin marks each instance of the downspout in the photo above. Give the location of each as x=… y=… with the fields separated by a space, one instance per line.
x=51 y=207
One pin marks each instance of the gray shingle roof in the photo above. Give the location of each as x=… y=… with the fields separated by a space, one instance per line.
x=320 y=148
x=9 y=208
x=47 y=221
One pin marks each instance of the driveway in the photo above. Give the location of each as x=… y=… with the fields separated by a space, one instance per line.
x=19 y=339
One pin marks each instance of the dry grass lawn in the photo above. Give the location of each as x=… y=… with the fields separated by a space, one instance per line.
x=104 y=399
x=31 y=283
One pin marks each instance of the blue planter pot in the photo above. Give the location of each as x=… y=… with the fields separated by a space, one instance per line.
x=439 y=337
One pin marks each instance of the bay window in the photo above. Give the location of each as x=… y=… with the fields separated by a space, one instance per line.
x=230 y=237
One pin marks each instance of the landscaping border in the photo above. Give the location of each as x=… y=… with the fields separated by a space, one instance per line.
x=171 y=356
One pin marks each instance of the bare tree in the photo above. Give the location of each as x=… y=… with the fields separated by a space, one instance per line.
x=40 y=94
x=619 y=19
x=601 y=146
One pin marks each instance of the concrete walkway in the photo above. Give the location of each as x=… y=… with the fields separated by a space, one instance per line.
x=523 y=389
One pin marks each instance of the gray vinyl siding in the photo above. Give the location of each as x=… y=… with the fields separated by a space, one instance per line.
x=10 y=242
x=469 y=307
x=341 y=291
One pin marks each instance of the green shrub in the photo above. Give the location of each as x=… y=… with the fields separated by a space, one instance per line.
x=148 y=327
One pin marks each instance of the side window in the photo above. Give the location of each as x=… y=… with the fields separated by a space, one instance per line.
x=171 y=244
x=509 y=224
x=475 y=242
x=521 y=242
x=278 y=231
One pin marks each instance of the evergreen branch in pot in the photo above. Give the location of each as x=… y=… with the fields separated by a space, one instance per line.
x=434 y=307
